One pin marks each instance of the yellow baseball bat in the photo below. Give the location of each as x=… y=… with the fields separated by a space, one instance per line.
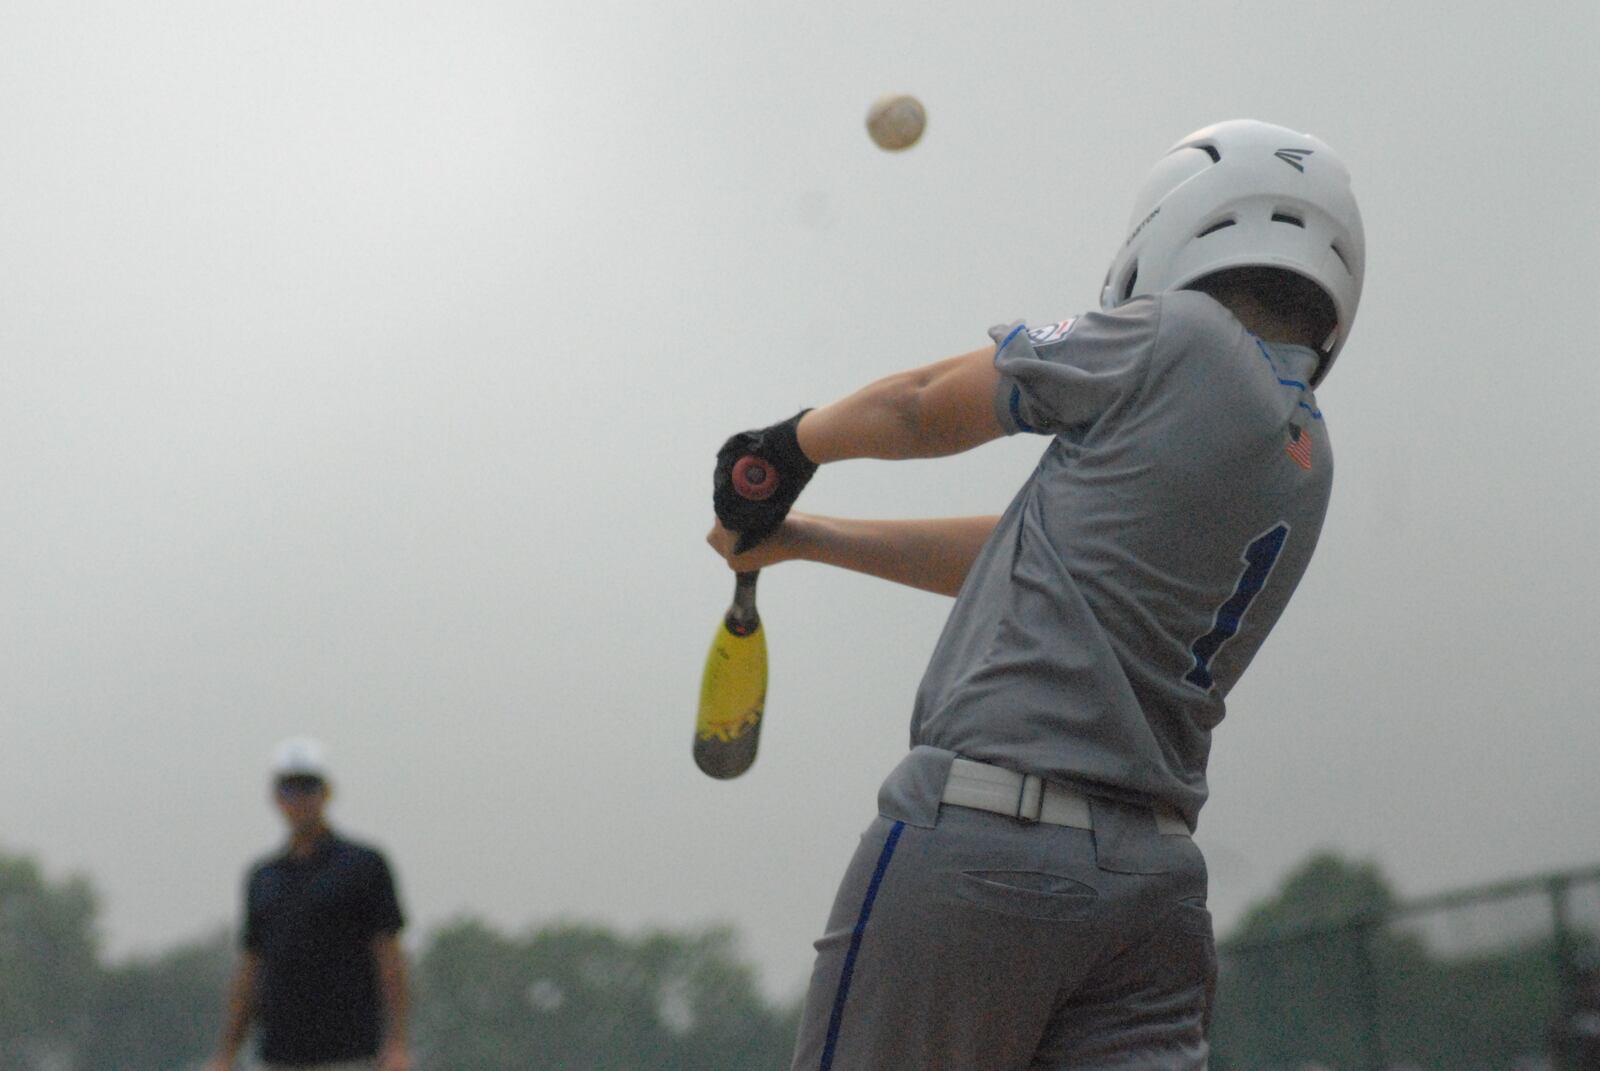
x=733 y=688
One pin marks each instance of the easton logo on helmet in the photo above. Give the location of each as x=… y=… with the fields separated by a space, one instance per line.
x=1292 y=157
x=1142 y=224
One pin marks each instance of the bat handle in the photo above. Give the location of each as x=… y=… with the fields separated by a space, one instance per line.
x=754 y=478
x=742 y=618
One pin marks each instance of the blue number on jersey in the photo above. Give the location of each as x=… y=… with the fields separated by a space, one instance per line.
x=1259 y=558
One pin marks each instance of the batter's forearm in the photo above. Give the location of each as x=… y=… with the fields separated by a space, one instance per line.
x=939 y=409
x=933 y=555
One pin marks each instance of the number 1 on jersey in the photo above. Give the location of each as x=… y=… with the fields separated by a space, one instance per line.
x=1259 y=558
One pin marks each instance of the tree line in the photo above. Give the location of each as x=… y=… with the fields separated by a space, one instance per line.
x=581 y=997
x=1328 y=973
x=569 y=996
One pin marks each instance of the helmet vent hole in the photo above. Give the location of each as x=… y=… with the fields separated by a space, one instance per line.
x=1217 y=226
x=1133 y=277
x=1284 y=217
x=1342 y=258
x=1211 y=151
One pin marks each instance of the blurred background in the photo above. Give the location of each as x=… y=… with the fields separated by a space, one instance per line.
x=361 y=371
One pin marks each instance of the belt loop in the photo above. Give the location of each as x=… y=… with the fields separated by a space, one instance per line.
x=1030 y=797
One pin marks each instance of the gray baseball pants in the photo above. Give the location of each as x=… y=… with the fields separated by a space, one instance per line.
x=962 y=940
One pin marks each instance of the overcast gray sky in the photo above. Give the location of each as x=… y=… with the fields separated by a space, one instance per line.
x=362 y=366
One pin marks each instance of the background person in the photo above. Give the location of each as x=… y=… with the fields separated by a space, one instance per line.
x=322 y=975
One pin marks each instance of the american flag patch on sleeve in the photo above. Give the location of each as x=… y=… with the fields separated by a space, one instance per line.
x=1299 y=447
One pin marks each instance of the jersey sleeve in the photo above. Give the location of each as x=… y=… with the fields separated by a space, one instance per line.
x=250 y=933
x=383 y=914
x=1060 y=378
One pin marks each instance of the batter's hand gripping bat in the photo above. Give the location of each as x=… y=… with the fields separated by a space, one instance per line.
x=733 y=687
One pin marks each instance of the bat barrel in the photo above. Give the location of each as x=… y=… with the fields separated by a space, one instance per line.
x=733 y=689
x=727 y=759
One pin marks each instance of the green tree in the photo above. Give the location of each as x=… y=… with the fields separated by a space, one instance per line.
x=566 y=997
x=1326 y=972
x=48 y=963
x=581 y=998
x=1488 y=1010
x=1299 y=979
x=160 y=1013
x=1324 y=888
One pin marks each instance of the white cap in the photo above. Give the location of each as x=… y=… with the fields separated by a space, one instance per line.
x=300 y=756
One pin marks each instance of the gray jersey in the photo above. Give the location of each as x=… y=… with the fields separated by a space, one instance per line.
x=1139 y=569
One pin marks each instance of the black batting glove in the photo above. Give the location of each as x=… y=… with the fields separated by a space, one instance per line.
x=759 y=475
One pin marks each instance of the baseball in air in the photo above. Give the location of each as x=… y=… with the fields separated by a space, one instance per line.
x=896 y=122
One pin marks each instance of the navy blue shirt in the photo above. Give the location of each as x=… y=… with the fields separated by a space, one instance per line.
x=311 y=922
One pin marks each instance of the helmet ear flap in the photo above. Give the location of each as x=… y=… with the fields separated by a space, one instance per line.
x=1113 y=293
x=1129 y=281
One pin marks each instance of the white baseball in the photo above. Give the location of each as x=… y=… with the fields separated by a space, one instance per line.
x=896 y=122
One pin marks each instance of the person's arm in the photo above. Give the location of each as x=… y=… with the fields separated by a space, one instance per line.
x=933 y=411
x=241 y=1008
x=933 y=555
x=392 y=984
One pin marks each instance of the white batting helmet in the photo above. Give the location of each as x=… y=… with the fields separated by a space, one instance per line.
x=1246 y=194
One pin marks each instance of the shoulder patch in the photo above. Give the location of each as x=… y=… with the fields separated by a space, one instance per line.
x=1051 y=332
x=1299 y=446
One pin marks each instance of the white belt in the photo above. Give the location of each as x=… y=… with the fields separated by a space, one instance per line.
x=1033 y=799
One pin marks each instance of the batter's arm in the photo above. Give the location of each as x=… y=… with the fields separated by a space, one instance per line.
x=933 y=555
x=241 y=1009
x=933 y=411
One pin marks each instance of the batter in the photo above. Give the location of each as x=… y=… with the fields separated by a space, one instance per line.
x=1029 y=894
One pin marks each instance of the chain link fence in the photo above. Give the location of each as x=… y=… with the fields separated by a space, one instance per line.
x=1503 y=977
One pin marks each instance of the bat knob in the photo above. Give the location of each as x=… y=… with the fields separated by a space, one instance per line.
x=754 y=478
